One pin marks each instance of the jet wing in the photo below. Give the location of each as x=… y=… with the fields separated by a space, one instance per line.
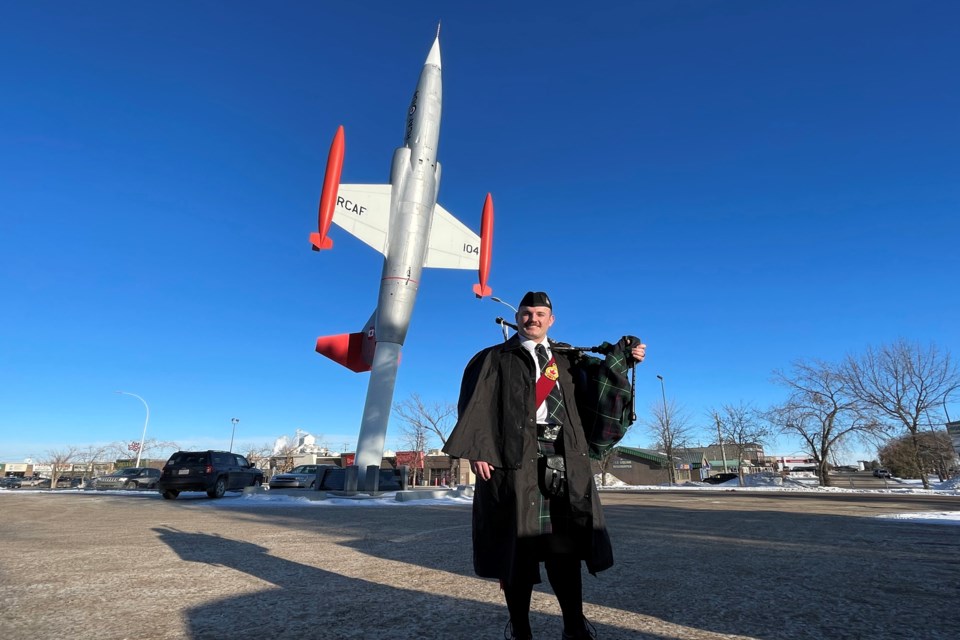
x=363 y=210
x=452 y=244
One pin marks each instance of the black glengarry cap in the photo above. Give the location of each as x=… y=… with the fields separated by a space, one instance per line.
x=536 y=299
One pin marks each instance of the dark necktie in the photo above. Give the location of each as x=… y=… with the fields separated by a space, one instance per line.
x=555 y=411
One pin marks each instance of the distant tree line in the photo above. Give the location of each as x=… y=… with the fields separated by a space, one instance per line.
x=893 y=397
x=894 y=394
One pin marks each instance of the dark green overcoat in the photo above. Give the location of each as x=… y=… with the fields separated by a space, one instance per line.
x=497 y=424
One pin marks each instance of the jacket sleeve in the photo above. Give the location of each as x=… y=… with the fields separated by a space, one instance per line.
x=604 y=396
x=476 y=434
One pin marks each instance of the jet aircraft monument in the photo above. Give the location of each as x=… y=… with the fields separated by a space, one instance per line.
x=402 y=221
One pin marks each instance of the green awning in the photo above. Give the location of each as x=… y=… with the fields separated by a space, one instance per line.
x=644 y=454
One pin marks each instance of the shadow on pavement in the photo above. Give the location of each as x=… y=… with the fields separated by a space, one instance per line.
x=680 y=573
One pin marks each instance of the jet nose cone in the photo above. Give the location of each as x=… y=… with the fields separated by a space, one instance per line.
x=434 y=56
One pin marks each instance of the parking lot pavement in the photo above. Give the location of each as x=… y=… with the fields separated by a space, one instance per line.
x=691 y=566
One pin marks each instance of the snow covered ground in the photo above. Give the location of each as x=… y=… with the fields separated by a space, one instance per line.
x=761 y=482
x=753 y=483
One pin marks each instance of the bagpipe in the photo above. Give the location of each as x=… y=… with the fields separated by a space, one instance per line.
x=603 y=349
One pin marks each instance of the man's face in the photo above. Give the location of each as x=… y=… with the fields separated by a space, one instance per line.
x=534 y=322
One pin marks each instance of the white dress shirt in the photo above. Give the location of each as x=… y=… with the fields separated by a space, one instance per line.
x=531 y=346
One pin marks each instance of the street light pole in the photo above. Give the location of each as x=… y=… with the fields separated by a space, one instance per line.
x=945 y=396
x=232 y=433
x=496 y=299
x=143 y=436
x=666 y=430
x=947 y=424
x=506 y=335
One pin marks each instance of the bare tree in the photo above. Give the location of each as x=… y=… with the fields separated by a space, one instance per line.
x=821 y=409
x=161 y=448
x=841 y=452
x=127 y=450
x=90 y=456
x=422 y=421
x=427 y=420
x=900 y=383
x=257 y=455
x=59 y=460
x=282 y=457
x=741 y=427
x=670 y=426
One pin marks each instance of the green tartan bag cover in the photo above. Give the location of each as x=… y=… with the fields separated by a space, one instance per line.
x=603 y=394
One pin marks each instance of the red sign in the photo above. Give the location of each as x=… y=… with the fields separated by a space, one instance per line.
x=410 y=458
x=133 y=446
x=347 y=458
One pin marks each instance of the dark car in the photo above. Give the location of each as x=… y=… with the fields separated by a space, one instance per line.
x=129 y=478
x=304 y=475
x=10 y=482
x=215 y=472
x=720 y=478
x=68 y=482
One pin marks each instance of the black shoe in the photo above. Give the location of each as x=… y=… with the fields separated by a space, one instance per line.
x=588 y=632
x=508 y=633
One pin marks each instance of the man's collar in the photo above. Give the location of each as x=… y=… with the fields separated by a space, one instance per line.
x=532 y=344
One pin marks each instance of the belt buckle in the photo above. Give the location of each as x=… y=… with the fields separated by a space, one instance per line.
x=549 y=432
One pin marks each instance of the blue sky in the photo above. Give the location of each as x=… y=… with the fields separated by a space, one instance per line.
x=741 y=184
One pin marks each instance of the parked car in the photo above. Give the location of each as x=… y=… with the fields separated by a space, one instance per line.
x=10 y=482
x=212 y=471
x=881 y=473
x=304 y=475
x=129 y=478
x=720 y=478
x=68 y=482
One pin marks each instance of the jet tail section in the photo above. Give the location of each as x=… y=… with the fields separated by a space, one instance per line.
x=345 y=349
x=352 y=350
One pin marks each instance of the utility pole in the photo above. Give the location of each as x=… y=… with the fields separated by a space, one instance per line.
x=723 y=454
x=233 y=432
x=666 y=432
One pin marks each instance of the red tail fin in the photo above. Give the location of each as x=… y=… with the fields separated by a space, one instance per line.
x=346 y=349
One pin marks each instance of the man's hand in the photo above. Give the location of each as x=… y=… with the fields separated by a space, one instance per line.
x=638 y=352
x=482 y=469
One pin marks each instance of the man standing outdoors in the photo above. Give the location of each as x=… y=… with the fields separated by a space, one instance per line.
x=531 y=413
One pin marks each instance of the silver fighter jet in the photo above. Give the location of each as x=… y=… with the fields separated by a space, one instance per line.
x=403 y=221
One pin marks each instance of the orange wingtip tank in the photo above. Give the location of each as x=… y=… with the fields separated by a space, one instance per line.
x=486 y=243
x=328 y=197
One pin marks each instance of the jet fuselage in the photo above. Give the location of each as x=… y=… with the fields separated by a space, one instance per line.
x=415 y=177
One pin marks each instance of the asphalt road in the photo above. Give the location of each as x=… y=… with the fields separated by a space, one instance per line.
x=690 y=565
